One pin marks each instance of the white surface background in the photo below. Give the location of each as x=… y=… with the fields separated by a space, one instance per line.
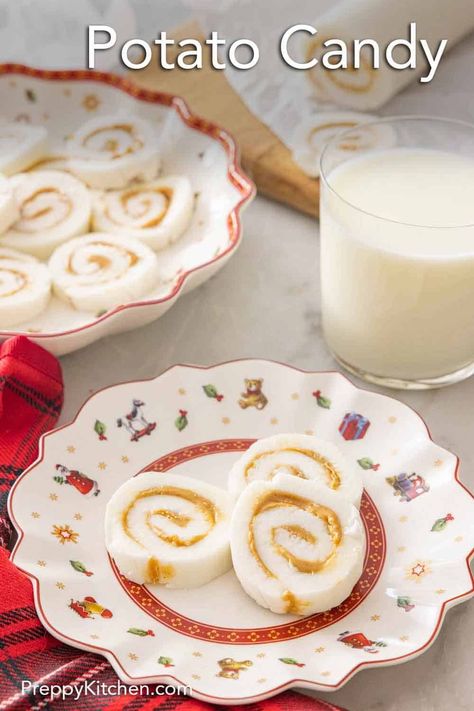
x=265 y=303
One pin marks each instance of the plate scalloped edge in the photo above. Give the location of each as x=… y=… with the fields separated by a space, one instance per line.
x=289 y=683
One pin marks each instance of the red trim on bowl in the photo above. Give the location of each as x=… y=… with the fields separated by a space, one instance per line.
x=235 y=174
x=163 y=679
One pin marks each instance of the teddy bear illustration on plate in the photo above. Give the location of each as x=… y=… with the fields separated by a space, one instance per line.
x=253 y=395
x=230 y=668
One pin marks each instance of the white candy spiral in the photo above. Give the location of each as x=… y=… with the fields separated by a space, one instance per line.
x=21 y=146
x=53 y=207
x=303 y=456
x=25 y=287
x=297 y=548
x=169 y=529
x=111 y=152
x=156 y=213
x=98 y=271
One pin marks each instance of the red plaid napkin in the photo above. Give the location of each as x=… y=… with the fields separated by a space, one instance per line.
x=31 y=396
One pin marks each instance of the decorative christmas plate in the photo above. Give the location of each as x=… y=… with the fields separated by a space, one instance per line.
x=191 y=146
x=418 y=517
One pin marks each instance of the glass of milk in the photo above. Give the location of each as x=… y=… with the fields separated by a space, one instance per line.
x=397 y=251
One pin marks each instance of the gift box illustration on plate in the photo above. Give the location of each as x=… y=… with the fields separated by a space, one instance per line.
x=354 y=426
x=408 y=487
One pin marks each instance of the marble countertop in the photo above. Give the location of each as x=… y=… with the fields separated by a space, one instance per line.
x=265 y=303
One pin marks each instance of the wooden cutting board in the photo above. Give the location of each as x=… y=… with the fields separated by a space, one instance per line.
x=263 y=156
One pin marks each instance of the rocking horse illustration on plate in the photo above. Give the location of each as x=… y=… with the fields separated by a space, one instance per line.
x=135 y=421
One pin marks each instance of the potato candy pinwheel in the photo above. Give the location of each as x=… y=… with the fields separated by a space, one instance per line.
x=98 y=271
x=156 y=213
x=25 y=287
x=302 y=456
x=21 y=146
x=53 y=207
x=9 y=212
x=112 y=151
x=314 y=132
x=169 y=529
x=297 y=548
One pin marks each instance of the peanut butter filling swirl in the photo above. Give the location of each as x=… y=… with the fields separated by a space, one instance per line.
x=107 y=261
x=206 y=508
x=115 y=141
x=12 y=281
x=357 y=81
x=333 y=476
x=144 y=207
x=45 y=208
x=310 y=566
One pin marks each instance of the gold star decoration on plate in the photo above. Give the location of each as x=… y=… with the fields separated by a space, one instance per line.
x=78 y=516
x=392 y=419
x=440 y=591
x=261 y=655
x=65 y=534
x=197 y=654
x=71 y=449
x=404 y=638
x=295 y=396
x=418 y=570
x=375 y=618
x=53 y=497
x=132 y=656
x=102 y=465
x=274 y=421
x=125 y=459
x=318 y=650
x=42 y=563
x=181 y=391
x=35 y=514
x=60 y=585
x=401 y=549
x=438 y=462
x=225 y=420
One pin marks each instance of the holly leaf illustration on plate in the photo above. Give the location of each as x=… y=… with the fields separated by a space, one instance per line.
x=182 y=420
x=80 y=567
x=367 y=463
x=441 y=523
x=141 y=633
x=290 y=660
x=212 y=392
x=165 y=661
x=100 y=429
x=321 y=400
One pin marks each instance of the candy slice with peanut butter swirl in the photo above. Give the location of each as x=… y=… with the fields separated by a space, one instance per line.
x=297 y=548
x=112 y=151
x=99 y=271
x=53 y=207
x=313 y=133
x=169 y=529
x=25 y=287
x=21 y=146
x=157 y=213
x=9 y=212
x=303 y=456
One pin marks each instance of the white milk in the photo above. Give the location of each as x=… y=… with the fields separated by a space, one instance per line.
x=398 y=299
